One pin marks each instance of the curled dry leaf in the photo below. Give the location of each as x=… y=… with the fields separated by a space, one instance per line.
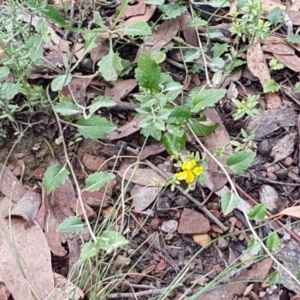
x=257 y=64
x=160 y=38
x=120 y=89
x=138 y=8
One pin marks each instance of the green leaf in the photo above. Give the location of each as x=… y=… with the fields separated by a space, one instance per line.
x=60 y=82
x=88 y=251
x=97 y=19
x=196 y=22
x=274 y=278
x=254 y=247
x=158 y=56
x=151 y=131
x=191 y=55
x=72 y=224
x=271 y=86
x=240 y=161
x=110 y=66
x=213 y=33
x=298 y=275
x=219 y=49
x=217 y=62
x=4 y=71
x=217 y=3
x=202 y=98
x=201 y=127
x=293 y=38
x=97 y=180
x=273 y=242
x=94 y=127
x=66 y=108
x=55 y=176
x=110 y=241
x=9 y=90
x=275 y=65
x=34 y=45
x=140 y=28
x=297 y=88
x=173 y=143
x=102 y=101
x=54 y=15
x=89 y=41
x=148 y=72
x=258 y=212
x=179 y=115
x=229 y=202
x=275 y=16
x=155 y=2
x=171 y=10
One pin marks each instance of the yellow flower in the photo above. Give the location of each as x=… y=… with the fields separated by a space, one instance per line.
x=190 y=171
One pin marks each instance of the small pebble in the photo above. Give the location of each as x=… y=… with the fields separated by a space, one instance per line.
x=202 y=239
x=213 y=205
x=216 y=228
x=264 y=148
x=294 y=170
x=163 y=203
x=181 y=200
x=281 y=174
x=154 y=224
x=222 y=244
x=248 y=289
x=274 y=168
x=262 y=294
x=169 y=226
x=271 y=176
x=288 y=161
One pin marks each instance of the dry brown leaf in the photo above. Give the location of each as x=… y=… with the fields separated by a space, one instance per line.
x=97 y=53
x=277 y=45
x=217 y=139
x=96 y=199
x=257 y=64
x=150 y=9
x=190 y=34
x=268 y=5
x=94 y=163
x=293 y=211
x=290 y=61
x=152 y=150
x=143 y=177
x=160 y=38
x=127 y=129
x=4 y=292
x=34 y=262
x=76 y=207
x=120 y=89
x=258 y=272
x=15 y=240
x=144 y=196
x=77 y=89
x=64 y=289
x=57 y=210
x=28 y=206
x=138 y=8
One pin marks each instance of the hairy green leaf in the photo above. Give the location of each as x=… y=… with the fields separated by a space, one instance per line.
x=66 y=108
x=240 y=161
x=273 y=242
x=229 y=202
x=94 y=127
x=97 y=180
x=55 y=176
x=258 y=212
x=88 y=250
x=60 y=82
x=72 y=224
x=110 y=241
x=139 y=28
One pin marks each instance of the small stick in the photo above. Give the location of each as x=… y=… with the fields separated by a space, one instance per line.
x=138 y=294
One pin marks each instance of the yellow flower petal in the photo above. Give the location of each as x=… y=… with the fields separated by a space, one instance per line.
x=186 y=165
x=197 y=171
x=190 y=177
x=182 y=175
x=193 y=164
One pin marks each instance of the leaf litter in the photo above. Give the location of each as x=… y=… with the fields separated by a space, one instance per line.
x=62 y=202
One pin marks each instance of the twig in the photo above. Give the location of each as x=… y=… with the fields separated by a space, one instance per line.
x=138 y=294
